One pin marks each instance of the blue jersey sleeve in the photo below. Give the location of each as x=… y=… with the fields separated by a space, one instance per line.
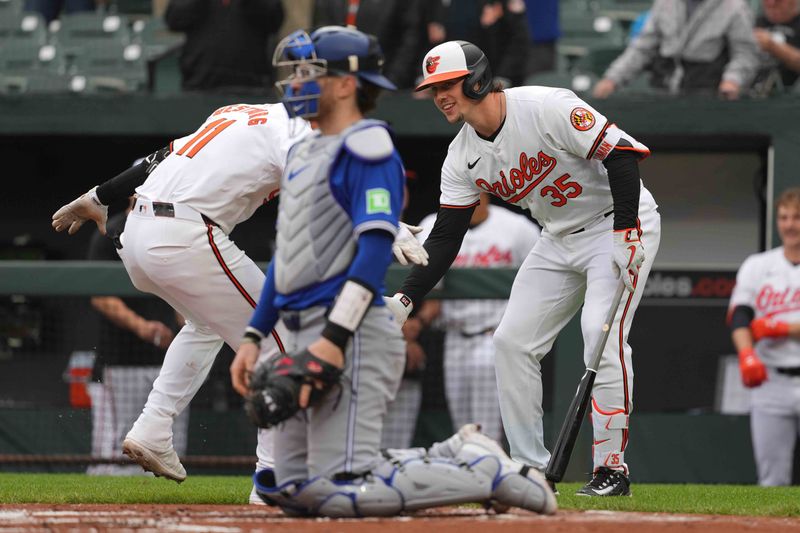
x=266 y=314
x=371 y=192
x=372 y=261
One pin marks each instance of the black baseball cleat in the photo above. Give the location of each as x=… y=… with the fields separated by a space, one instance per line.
x=607 y=482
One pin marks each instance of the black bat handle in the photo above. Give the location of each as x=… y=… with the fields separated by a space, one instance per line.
x=570 y=428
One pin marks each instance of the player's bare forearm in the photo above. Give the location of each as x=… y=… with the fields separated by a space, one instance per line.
x=742 y=338
x=788 y=55
x=115 y=310
x=794 y=330
x=242 y=366
x=429 y=311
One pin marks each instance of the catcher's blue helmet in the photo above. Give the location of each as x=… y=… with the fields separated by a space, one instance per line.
x=329 y=50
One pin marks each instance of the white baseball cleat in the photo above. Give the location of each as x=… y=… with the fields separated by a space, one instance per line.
x=255 y=499
x=514 y=484
x=162 y=464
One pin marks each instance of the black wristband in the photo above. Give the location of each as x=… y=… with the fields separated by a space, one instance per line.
x=337 y=334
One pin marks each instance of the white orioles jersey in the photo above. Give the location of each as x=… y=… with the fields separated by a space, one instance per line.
x=770 y=284
x=230 y=166
x=503 y=240
x=546 y=158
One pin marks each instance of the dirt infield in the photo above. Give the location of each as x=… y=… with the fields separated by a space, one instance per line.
x=234 y=519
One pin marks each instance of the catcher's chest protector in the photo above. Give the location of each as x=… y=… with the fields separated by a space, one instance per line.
x=315 y=239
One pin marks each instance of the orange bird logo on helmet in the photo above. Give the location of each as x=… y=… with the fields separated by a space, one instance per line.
x=431 y=62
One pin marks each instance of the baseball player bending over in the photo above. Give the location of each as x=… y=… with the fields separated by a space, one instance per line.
x=342 y=192
x=190 y=196
x=546 y=150
x=765 y=319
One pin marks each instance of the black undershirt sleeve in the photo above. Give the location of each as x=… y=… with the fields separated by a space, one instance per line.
x=442 y=245
x=124 y=184
x=742 y=316
x=624 y=180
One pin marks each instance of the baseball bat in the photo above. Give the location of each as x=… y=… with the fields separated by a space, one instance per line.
x=577 y=409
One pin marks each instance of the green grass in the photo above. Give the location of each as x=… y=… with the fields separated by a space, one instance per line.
x=80 y=488
x=234 y=490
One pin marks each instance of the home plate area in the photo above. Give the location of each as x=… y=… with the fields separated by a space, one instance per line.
x=233 y=519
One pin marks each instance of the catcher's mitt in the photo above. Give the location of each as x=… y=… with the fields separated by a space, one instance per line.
x=275 y=387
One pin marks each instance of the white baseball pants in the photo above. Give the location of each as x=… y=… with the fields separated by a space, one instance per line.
x=203 y=275
x=558 y=276
x=775 y=427
x=116 y=403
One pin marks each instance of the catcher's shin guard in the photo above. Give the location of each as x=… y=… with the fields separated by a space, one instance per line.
x=279 y=496
x=513 y=484
x=395 y=486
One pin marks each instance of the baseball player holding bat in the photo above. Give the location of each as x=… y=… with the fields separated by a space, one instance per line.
x=765 y=323
x=190 y=196
x=548 y=151
x=341 y=197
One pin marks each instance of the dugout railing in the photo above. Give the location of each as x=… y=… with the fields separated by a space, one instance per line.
x=45 y=310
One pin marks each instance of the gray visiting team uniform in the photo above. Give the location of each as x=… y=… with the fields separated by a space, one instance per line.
x=316 y=242
x=327 y=457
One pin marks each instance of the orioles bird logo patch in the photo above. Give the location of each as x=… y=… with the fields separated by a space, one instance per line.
x=431 y=62
x=582 y=119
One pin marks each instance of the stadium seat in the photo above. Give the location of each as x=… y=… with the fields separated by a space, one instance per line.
x=155 y=38
x=581 y=31
x=133 y=7
x=595 y=59
x=111 y=68
x=580 y=82
x=11 y=7
x=27 y=67
x=625 y=11
x=23 y=27
x=80 y=32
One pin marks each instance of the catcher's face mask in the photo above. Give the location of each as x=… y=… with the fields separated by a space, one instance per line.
x=297 y=69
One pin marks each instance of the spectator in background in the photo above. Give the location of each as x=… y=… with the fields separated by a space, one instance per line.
x=778 y=36
x=134 y=334
x=499 y=28
x=226 y=41
x=766 y=332
x=691 y=46
x=542 y=17
x=396 y=24
x=497 y=238
x=50 y=9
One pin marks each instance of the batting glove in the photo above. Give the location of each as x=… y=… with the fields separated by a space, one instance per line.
x=407 y=248
x=754 y=373
x=87 y=207
x=400 y=305
x=628 y=255
x=767 y=327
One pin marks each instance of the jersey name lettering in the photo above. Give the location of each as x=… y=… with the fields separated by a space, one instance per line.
x=771 y=300
x=531 y=171
x=255 y=115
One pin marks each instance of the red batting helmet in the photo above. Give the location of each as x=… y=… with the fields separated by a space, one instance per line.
x=458 y=59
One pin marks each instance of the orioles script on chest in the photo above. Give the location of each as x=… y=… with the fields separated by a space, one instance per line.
x=522 y=179
x=771 y=300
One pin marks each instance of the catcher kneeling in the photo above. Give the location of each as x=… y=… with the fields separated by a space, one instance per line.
x=341 y=196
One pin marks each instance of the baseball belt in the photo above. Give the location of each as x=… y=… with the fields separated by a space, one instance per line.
x=145 y=207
